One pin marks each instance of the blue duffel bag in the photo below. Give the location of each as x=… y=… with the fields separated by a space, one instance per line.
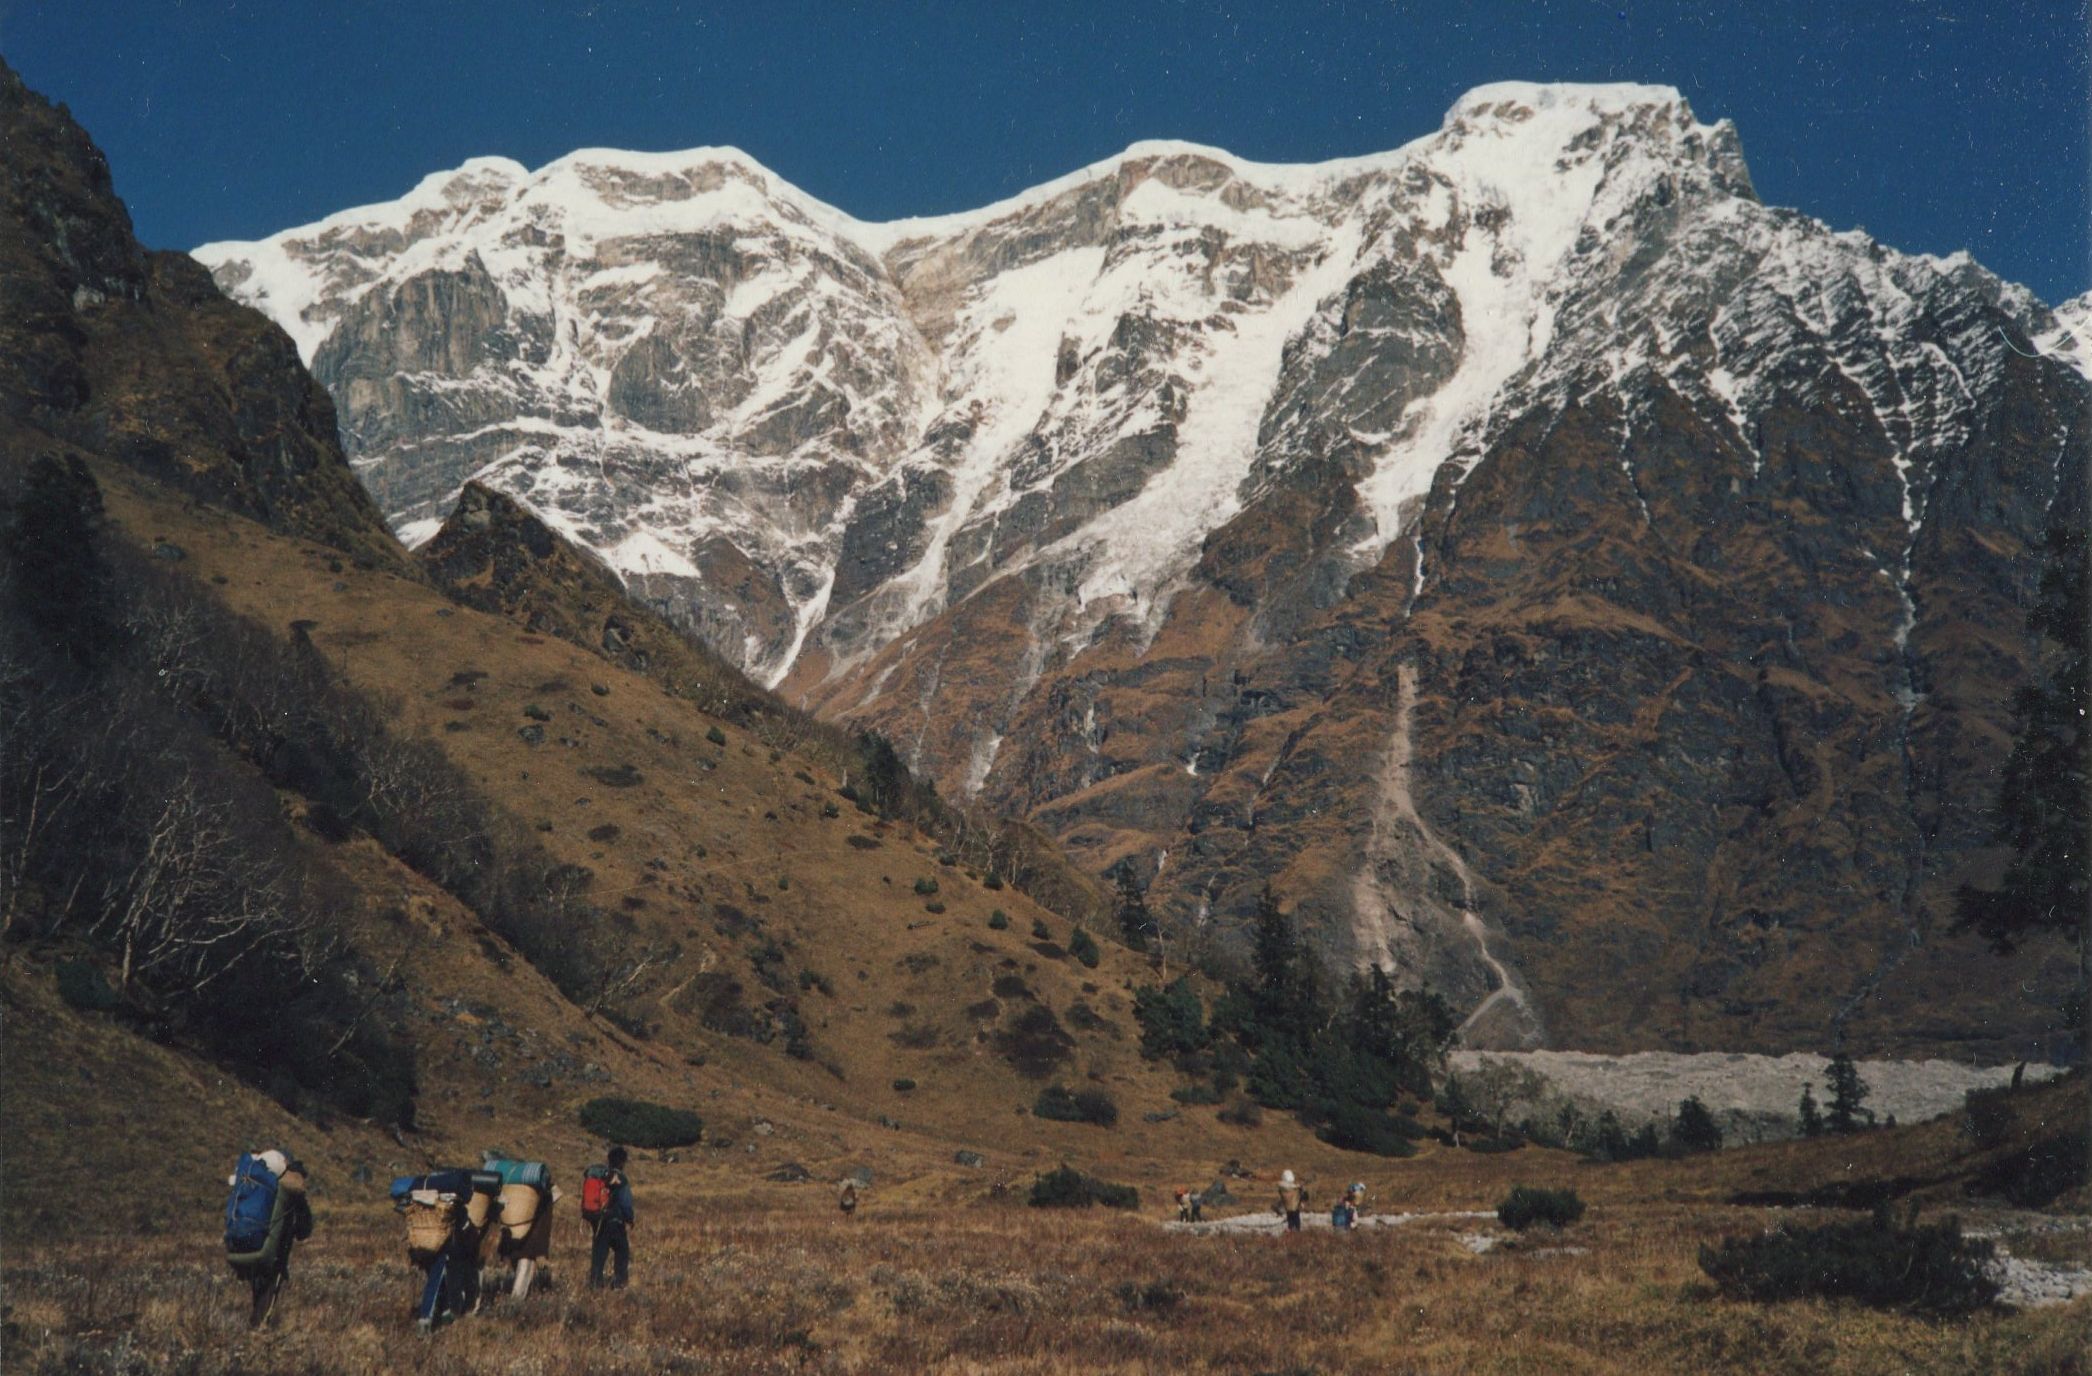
x=535 y=1174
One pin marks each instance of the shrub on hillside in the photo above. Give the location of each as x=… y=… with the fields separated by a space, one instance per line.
x=1068 y=1188
x=1081 y=1106
x=715 y=735
x=81 y=984
x=1197 y=1095
x=1036 y=1042
x=1354 y=1127
x=2037 y=1175
x=1526 y=1206
x=638 y=1123
x=1988 y=1116
x=1929 y=1270
x=1083 y=947
x=998 y=921
x=925 y=887
x=1492 y=1146
x=1040 y=931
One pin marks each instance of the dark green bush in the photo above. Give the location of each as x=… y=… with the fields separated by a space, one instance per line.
x=1356 y=1128
x=1988 y=1116
x=1080 y=1106
x=1492 y=1146
x=1036 y=1042
x=638 y=1123
x=715 y=735
x=1197 y=1094
x=999 y=921
x=926 y=887
x=2034 y=1177
x=1930 y=1270
x=1155 y=1297
x=993 y=882
x=1526 y=1206
x=1040 y=931
x=1068 y=1188
x=904 y=1084
x=81 y=984
x=1083 y=947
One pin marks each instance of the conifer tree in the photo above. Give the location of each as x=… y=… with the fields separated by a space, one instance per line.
x=1811 y=1116
x=1848 y=1092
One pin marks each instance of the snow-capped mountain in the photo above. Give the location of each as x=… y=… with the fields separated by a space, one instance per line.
x=1399 y=527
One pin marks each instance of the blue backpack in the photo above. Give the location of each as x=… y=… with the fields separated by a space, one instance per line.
x=251 y=1206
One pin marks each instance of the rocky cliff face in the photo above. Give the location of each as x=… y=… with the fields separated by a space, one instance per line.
x=1563 y=576
x=109 y=349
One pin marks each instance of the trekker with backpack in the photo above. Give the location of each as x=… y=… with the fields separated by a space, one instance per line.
x=606 y=1206
x=525 y=1219
x=265 y=1216
x=1292 y=1198
x=447 y=1213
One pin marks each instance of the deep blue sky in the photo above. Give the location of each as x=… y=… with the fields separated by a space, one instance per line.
x=1934 y=125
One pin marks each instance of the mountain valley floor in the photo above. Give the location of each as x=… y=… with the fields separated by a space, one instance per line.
x=946 y=1270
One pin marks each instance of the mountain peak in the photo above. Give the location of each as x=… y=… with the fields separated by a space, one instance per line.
x=1508 y=98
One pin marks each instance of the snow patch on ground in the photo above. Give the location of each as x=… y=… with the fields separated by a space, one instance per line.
x=1267 y=1222
x=1754 y=1096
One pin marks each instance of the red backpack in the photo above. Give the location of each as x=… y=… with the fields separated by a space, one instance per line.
x=597 y=1185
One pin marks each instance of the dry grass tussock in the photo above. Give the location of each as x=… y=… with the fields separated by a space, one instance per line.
x=731 y=1287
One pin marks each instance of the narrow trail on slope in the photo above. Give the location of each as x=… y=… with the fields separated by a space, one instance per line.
x=1396 y=808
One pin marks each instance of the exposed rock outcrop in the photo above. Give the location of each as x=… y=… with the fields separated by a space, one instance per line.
x=1702 y=533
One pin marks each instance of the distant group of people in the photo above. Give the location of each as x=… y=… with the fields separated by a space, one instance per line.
x=459 y=1221
x=1293 y=1201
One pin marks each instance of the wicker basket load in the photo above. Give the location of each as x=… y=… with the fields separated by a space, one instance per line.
x=430 y=1222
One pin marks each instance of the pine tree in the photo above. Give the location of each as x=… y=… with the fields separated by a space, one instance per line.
x=1694 y=1129
x=1454 y=1104
x=1083 y=947
x=1811 y=1118
x=1284 y=997
x=1847 y=1093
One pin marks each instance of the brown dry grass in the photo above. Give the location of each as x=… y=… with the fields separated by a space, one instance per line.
x=741 y=1284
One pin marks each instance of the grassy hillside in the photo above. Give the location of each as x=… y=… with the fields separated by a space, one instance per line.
x=733 y=883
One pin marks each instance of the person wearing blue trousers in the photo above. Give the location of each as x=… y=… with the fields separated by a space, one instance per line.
x=440 y=1298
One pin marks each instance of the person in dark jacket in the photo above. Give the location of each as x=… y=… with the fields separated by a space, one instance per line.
x=614 y=1228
